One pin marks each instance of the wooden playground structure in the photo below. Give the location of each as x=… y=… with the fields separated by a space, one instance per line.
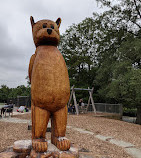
x=90 y=100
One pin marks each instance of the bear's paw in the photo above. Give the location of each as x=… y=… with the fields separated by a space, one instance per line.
x=62 y=143
x=39 y=145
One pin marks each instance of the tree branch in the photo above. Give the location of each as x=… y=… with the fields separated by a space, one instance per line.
x=132 y=33
x=137 y=8
x=136 y=23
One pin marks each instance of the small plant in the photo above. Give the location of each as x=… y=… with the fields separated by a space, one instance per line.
x=132 y=112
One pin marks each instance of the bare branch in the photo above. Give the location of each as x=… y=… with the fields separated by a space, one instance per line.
x=136 y=24
x=137 y=8
x=132 y=33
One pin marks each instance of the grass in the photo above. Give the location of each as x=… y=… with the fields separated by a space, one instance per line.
x=1 y=105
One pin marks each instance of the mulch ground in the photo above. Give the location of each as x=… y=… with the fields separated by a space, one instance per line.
x=10 y=132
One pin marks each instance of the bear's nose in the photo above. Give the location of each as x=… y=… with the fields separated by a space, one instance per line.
x=49 y=31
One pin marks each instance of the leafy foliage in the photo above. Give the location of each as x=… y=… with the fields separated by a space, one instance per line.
x=105 y=51
x=77 y=47
x=6 y=92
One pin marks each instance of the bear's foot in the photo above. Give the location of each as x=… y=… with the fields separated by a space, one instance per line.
x=40 y=145
x=61 y=143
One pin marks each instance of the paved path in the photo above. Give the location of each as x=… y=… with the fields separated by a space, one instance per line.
x=14 y=120
x=128 y=147
x=129 y=119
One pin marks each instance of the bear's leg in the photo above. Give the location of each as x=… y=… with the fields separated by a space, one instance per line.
x=40 y=118
x=58 y=129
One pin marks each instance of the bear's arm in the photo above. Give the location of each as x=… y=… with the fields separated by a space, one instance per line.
x=31 y=66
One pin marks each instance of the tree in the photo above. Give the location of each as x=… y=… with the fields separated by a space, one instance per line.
x=125 y=14
x=19 y=91
x=4 y=92
x=28 y=81
x=77 y=47
x=106 y=50
x=122 y=54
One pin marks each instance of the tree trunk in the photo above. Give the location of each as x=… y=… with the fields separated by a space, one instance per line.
x=138 y=120
x=79 y=68
x=89 y=67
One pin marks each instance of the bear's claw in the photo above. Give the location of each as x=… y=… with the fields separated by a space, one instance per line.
x=39 y=145
x=61 y=143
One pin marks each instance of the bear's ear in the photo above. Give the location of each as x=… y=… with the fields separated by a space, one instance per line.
x=58 y=22
x=32 y=21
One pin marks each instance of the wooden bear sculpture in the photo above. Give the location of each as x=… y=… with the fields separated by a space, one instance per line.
x=50 y=88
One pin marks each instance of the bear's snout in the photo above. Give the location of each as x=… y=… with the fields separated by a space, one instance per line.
x=49 y=31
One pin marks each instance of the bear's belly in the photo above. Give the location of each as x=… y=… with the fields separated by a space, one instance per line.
x=50 y=88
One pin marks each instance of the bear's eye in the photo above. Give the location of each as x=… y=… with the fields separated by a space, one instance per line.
x=52 y=26
x=44 y=25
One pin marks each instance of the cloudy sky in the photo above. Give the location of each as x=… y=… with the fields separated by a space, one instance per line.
x=16 y=44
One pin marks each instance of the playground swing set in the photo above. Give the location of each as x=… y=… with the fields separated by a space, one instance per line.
x=73 y=97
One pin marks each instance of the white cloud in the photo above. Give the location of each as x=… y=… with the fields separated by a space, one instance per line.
x=16 y=44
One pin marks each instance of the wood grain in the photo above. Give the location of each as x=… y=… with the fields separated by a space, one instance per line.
x=50 y=87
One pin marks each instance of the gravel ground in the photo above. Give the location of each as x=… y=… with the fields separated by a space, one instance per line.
x=96 y=146
x=120 y=130
x=24 y=116
x=10 y=132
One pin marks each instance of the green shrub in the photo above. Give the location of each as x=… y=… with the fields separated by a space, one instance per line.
x=132 y=112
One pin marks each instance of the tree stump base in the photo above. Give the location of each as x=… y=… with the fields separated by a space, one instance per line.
x=22 y=146
x=23 y=149
x=54 y=152
x=20 y=149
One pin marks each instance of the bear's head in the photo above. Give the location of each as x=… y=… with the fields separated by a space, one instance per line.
x=45 y=32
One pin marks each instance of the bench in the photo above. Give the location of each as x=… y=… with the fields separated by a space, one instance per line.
x=7 y=109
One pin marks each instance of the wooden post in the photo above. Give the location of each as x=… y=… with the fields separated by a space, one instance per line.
x=91 y=96
x=72 y=89
x=88 y=103
x=74 y=99
x=82 y=89
x=75 y=103
x=91 y=99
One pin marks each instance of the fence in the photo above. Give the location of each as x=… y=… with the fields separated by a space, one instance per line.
x=20 y=100
x=108 y=108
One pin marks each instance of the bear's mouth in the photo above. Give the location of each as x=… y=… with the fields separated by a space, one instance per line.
x=48 y=41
